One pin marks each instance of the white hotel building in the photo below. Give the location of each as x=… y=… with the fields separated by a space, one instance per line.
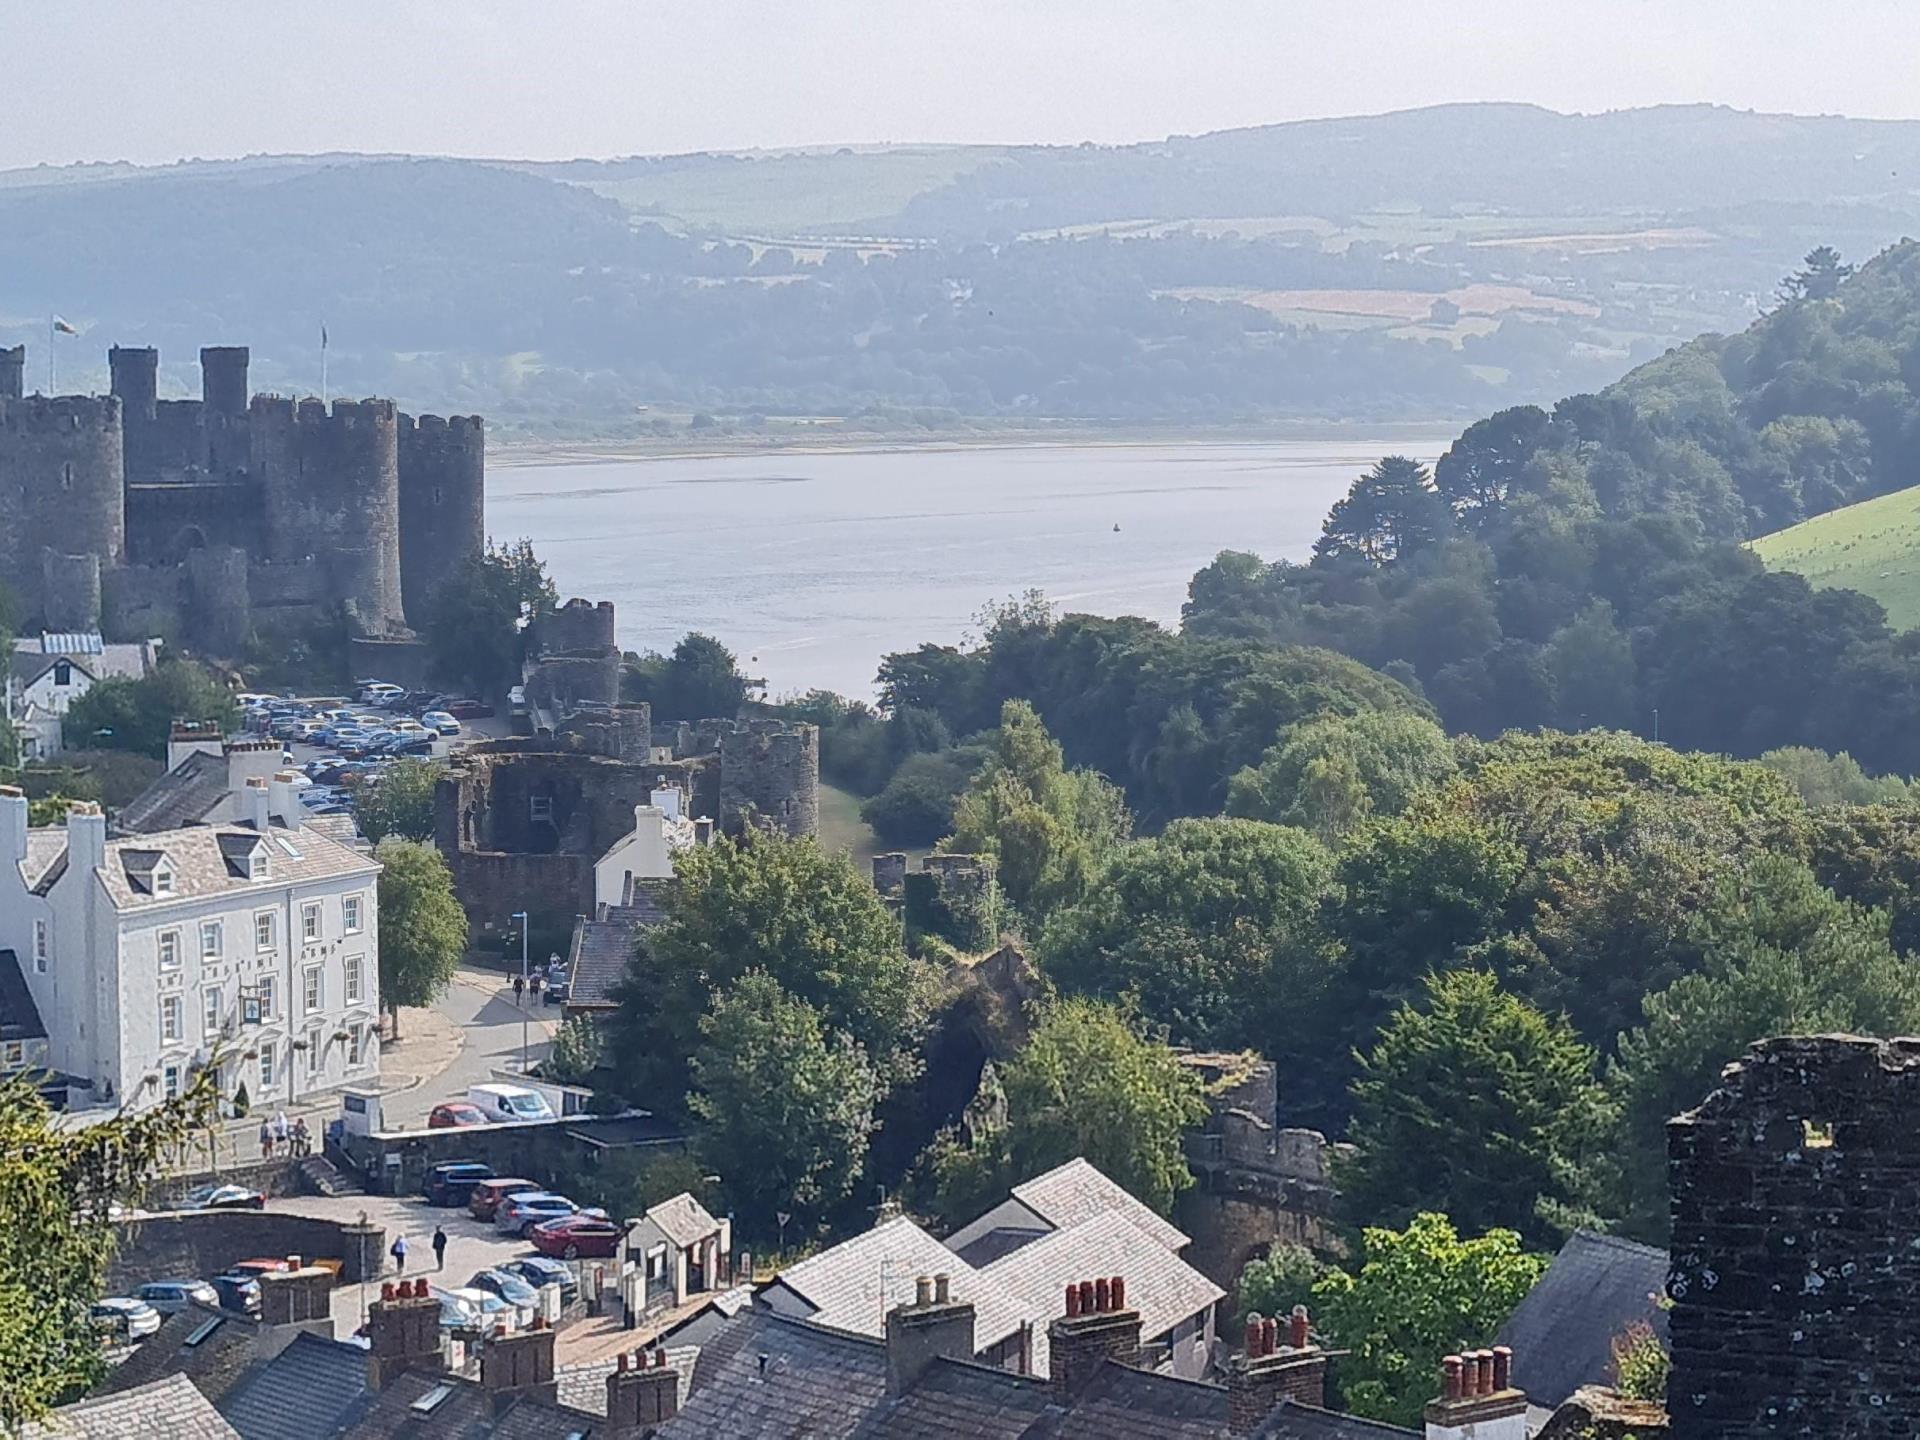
x=257 y=939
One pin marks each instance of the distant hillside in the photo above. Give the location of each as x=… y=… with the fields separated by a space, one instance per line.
x=1428 y=264
x=1872 y=547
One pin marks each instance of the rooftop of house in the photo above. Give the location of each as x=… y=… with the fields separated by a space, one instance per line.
x=1595 y=1288
x=1057 y=1200
x=683 y=1220
x=597 y=960
x=19 y=1016
x=211 y=1347
x=166 y=1409
x=306 y=1390
x=185 y=795
x=34 y=655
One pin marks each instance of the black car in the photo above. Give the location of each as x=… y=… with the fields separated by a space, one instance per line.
x=240 y=1293
x=538 y=1270
x=452 y=1183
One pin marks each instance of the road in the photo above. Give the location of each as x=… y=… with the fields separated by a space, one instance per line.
x=490 y=1027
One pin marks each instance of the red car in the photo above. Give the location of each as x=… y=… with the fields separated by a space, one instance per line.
x=573 y=1236
x=455 y=1113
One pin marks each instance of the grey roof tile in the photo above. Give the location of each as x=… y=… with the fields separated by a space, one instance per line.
x=185 y=795
x=304 y=1391
x=1076 y=1191
x=1121 y=1403
x=597 y=960
x=204 y=864
x=1294 y=1421
x=1562 y=1333
x=961 y=1399
x=167 y=1409
x=19 y=1016
x=214 y=1362
x=770 y=1377
x=683 y=1220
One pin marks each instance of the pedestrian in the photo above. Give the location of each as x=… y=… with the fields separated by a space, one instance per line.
x=439 y=1248
x=266 y=1137
x=536 y=987
x=281 y=1134
x=519 y=988
x=302 y=1141
x=399 y=1253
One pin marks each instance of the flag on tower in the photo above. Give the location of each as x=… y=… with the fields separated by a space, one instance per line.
x=63 y=327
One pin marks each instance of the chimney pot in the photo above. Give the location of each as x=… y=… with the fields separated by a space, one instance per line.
x=1299 y=1331
x=1251 y=1341
x=1483 y=1360
x=1086 y=1297
x=923 y=1290
x=1502 y=1367
x=942 y=1288
x=386 y=1290
x=1117 y=1288
x=1269 y=1335
x=499 y=1332
x=620 y=1362
x=1102 y=1296
x=1450 y=1377
x=660 y=1359
x=1073 y=1300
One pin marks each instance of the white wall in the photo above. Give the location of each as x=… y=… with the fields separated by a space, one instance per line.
x=643 y=854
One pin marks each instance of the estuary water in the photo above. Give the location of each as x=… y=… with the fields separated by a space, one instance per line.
x=811 y=565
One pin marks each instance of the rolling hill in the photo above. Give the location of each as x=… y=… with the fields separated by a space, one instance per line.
x=1872 y=547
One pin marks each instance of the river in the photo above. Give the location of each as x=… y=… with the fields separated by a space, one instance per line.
x=813 y=564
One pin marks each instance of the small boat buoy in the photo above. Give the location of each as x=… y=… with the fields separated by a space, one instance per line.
x=1116 y=527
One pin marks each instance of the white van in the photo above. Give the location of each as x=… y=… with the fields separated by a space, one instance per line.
x=502 y=1103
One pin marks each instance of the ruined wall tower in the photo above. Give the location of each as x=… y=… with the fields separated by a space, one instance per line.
x=331 y=484
x=136 y=383
x=770 y=776
x=443 y=480
x=62 y=487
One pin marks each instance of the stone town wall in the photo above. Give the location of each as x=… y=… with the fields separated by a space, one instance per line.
x=207 y=1242
x=1796 y=1245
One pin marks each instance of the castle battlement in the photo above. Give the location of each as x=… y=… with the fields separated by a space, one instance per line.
x=54 y=415
x=464 y=428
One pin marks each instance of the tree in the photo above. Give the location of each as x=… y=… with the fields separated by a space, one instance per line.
x=1418 y=1294
x=1088 y=1083
x=1329 y=773
x=139 y=714
x=1782 y=957
x=1213 y=926
x=788 y=908
x=1274 y=1283
x=1391 y=512
x=700 y=680
x=397 y=800
x=476 y=621
x=1048 y=827
x=578 y=1050
x=1593 y=673
x=1819 y=278
x=56 y=1187
x=1483 y=470
x=913 y=810
x=1479 y=1106
x=423 y=930
x=785 y=1102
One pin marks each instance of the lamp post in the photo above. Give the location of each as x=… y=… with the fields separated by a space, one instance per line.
x=525 y=925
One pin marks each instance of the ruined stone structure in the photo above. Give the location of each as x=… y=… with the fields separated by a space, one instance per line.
x=951 y=896
x=522 y=822
x=1256 y=1184
x=203 y=519
x=576 y=660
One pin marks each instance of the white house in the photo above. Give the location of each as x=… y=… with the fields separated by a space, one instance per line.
x=255 y=942
x=646 y=851
x=51 y=671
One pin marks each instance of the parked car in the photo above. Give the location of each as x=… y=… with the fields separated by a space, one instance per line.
x=574 y=1236
x=440 y=722
x=543 y=1270
x=375 y=692
x=524 y=1298
x=508 y=1103
x=518 y=1214
x=170 y=1297
x=452 y=1183
x=488 y=1194
x=456 y=1313
x=237 y=1292
x=455 y=1113
x=123 y=1317
x=466 y=709
x=222 y=1197
x=254 y=1269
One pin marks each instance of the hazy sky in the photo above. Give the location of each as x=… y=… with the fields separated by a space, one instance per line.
x=155 y=80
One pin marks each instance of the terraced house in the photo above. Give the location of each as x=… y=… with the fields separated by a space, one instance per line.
x=252 y=945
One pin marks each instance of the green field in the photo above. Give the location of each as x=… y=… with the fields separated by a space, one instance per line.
x=1872 y=547
x=841 y=827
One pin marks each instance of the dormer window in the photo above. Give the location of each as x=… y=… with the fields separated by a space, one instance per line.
x=63 y=673
x=163 y=879
x=257 y=865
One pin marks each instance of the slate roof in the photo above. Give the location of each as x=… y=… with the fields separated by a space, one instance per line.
x=1562 y=1333
x=652 y=894
x=1121 y=1403
x=203 y=863
x=304 y=1391
x=844 y=1284
x=46 y=848
x=214 y=1363
x=769 y=1376
x=1076 y=1191
x=597 y=960
x=465 y=1411
x=1160 y=1285
x=683 y=1220
x=98 y=660
x=1294 y=1421
x=185 y=795
x=19 y=1016
x=961 y=1399
x=169 y=1409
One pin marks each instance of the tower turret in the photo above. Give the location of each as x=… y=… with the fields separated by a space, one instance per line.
x=136 y=379
x=443 y=479
x=62 y=487
x=223 y=378
x=13 y=373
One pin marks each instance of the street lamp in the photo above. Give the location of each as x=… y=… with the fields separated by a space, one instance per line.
x=525 y=925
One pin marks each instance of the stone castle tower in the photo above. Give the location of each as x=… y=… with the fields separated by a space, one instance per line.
x=205 y=518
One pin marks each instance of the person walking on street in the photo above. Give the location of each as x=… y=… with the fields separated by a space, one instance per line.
x=535 y=982
x=302 y=1142
x=266 y=1137
x=519 y=989
x=399 y=1253
x=282 y=1135
x=439 y=1248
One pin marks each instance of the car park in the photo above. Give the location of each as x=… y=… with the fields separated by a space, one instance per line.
x=467 y=709
x=576 y=1236
x=508 y=1103
x=455 y=1312
x=440 y=721
x=488 y=1194
x=170 y=1297
x=453 y=1114
x=222 y=1197
x=518 y=1214
x=524 y=1298
x=239 y=1293
x=491 y=1309
x=123 y=1317
x=542 y=1271
x=452 y=1182
x=373 y=692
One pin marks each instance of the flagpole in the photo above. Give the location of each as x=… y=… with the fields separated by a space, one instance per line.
x=326 y=397
x=51 y=388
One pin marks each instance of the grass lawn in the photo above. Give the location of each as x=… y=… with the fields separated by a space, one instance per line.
x=1872 y=547
x=841 y=827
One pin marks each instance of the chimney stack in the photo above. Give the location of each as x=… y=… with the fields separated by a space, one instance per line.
x=186 y=738
x=1097 y=1327
x=283 y=794
x=1478 y=1399
x=256 y=804
x=519 y=1366
x=1268 y=1372
x=291 y=1302
x=642 y=1390
x=13 y=824
x=934 y=1327
x=403 y=1329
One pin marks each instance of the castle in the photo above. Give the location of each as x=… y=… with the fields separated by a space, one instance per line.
x=204 y=520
